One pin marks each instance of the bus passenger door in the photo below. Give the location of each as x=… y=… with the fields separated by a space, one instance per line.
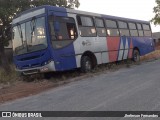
x=62 y=34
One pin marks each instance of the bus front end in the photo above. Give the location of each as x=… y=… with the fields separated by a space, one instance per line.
x=31 y=52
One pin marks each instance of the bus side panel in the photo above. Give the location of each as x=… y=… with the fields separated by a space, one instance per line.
x=119 y=48
x=101 y=46
x=149 y=45
x=127 y=46
x=104 y=46
x=113 y=48
x=94 y=45
x=80 y=48
x=144 y=44
x=139 y=43
x=65 y=58
x=130 y=48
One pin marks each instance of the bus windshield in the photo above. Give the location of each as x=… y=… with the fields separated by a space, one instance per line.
x=29 y=36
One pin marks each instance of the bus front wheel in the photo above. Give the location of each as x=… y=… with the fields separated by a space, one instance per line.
x=136 y=55
x=86 y=64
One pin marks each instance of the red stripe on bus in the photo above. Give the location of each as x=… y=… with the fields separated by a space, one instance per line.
x=131 y=49
x=113 y=48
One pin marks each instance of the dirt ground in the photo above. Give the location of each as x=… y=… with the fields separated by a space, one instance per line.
x=19 y=89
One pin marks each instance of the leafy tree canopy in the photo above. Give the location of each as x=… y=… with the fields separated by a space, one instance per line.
x=156 y=10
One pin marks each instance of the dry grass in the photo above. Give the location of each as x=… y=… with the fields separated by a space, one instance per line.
x=8 y=77
x=62 y=76
x=152 y=55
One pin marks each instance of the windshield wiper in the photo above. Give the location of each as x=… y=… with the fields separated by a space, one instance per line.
x=20 y=33
x=33 y=26
x=21 y=36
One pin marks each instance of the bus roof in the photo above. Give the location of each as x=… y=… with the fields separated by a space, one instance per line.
x=61 y=9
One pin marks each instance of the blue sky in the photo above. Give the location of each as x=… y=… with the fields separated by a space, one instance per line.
x=136 y=9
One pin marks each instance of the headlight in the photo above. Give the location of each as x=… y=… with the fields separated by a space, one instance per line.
x=46 y=62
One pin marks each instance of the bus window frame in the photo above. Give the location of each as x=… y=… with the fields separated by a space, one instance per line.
x=100 y=27
x=124 y=28
x=140 y=29
x=115 y=20
x=133 y=29
x=78 y=26
x=54 y=17
x=58 y=40
x=148 y=26
x=146 y=30
x=29 y=20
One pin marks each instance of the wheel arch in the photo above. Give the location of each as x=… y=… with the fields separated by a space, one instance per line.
x=92 y=56
x=136 y=48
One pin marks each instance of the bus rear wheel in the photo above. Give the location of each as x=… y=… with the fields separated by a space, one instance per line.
x=136 y=55
x=86 y=64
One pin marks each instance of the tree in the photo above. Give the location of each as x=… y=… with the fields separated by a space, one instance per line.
x=156 y=10
x=10 y=8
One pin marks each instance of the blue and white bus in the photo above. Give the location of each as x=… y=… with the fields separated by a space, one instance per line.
x=49 y=38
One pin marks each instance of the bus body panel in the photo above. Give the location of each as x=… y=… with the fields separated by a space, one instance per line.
x=144 y=44
x=31 y=60
x=106 y=49
x=64 y=58
x=95 y=45
x=113 y=48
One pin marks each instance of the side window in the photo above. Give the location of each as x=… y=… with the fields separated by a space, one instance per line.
x=101 y=31
x=86 y=26
x=132 y=26
x=133 y=29
x=122 y=25
x=147 y=31
x=112 y=29
x=111 y=24
x=139 y=26
x=146 y=27
x=65 y=28
x=86 y=21
x=123 y=28
x=140 y=31
x=62 y=30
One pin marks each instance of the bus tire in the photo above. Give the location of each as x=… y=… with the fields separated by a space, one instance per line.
x=136 y=55
x=86 y=64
